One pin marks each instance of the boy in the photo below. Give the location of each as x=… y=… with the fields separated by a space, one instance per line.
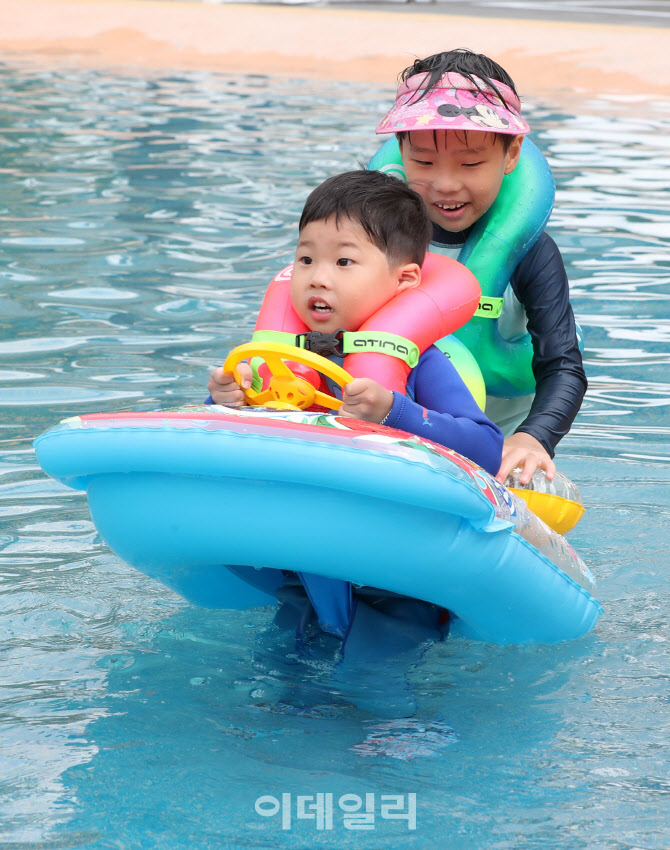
x=362 y=239
x=457 y=119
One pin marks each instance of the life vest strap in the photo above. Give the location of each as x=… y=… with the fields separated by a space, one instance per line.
x=489 y=307
x=347 y=342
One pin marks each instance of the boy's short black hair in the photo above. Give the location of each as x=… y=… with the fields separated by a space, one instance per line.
x=475 y=67
x=392 y=215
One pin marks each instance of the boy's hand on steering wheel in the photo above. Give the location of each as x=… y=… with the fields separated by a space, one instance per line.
x=224 y=389
x=365 y=399
x=526 y=453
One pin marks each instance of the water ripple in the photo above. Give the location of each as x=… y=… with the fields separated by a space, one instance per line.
x=141 y=220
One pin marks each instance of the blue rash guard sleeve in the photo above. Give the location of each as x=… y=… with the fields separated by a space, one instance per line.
x=440 y=407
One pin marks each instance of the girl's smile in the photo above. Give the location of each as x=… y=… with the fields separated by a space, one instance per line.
x=458 y=174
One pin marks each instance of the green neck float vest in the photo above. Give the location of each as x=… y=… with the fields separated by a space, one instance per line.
x=494 y=248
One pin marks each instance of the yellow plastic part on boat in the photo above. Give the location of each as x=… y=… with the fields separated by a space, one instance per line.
x=287 y=391
x=558 y=513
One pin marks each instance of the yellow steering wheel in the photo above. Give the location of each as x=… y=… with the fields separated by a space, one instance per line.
x=287 y=391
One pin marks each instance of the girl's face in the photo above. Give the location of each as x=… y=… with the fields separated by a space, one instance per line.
x=457 y=174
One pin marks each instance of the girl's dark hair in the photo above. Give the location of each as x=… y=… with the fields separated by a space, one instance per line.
x=392 y=215
x=475 y=67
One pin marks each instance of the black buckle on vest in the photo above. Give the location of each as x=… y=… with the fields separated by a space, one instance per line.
x=320 y=343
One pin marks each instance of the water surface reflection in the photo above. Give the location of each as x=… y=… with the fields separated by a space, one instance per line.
x=140 y=222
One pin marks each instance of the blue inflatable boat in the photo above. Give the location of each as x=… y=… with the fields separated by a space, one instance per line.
x=227 y=506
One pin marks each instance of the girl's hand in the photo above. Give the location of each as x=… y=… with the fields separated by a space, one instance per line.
x=526 y=453
x=224 y=389
x=365 y=399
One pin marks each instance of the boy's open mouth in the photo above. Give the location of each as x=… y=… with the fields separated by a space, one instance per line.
x=318 y=306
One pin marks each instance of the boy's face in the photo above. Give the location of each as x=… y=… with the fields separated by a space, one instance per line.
x=459 y=177
x=340 y=278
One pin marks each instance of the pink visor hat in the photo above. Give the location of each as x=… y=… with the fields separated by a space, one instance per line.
x=454 y=103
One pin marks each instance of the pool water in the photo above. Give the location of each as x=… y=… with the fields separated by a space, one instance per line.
x=140 y=221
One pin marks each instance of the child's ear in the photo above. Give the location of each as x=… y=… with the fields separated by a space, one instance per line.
x=512 y=154
x=409 y=276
